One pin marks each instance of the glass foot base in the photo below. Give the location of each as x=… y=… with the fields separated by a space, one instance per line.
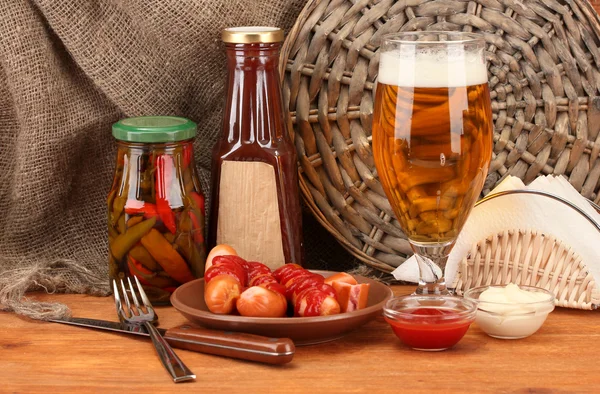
x=431 y=258
x=432 y=289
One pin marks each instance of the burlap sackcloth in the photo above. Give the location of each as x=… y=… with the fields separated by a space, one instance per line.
x=68 y=70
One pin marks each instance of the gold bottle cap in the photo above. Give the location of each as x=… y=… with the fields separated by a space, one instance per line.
x=252 y=34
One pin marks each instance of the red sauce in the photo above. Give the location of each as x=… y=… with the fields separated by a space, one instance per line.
x=436 y=330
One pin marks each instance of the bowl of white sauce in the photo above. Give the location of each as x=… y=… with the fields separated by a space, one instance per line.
x=511 y=311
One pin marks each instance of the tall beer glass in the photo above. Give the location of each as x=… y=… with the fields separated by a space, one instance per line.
x=432 y=139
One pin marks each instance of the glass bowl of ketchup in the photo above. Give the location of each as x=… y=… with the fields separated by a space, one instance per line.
x=429 y=322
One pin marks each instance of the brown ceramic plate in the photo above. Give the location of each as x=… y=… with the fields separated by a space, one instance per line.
x=189 y=300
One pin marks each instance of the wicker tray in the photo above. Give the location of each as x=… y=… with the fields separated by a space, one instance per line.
x=544 y=79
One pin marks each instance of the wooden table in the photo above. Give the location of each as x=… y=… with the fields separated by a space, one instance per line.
x=47 y=357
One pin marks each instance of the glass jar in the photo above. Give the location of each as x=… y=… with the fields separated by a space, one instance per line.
x=156 y=206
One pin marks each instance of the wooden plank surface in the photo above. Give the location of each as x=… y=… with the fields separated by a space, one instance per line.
x=45 y=357
x=48 y=357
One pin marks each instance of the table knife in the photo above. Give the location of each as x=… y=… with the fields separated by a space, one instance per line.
x=221 y=343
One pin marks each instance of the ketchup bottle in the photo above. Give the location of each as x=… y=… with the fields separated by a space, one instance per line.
x=255 y=204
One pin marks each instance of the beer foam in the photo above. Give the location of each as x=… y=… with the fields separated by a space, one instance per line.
x=432 y=69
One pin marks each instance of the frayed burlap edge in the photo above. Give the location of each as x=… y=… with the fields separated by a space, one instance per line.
x=50 y=277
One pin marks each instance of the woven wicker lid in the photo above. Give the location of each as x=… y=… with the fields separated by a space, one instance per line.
x=543 y=71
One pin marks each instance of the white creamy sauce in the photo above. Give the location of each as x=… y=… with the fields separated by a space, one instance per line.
x=510 y=312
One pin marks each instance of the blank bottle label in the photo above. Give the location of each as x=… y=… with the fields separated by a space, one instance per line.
x=249 y=212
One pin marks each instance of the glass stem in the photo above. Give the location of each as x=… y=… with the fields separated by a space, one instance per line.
x=432 y=259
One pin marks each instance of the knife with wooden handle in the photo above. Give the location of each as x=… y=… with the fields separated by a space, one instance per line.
x=197 y=339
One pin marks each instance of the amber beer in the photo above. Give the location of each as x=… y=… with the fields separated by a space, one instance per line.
x=432 y=141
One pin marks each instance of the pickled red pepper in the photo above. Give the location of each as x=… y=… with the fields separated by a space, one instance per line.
x=164 y=176
x=148 y=277
x=134 y=207
x=198 y=200
x=187 y=151
x=168 y=258
x=198 y=237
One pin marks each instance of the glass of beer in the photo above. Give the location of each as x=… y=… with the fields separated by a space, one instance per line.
x=432 y=139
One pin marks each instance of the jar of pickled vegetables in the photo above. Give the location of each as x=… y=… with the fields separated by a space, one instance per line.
x=156 y=206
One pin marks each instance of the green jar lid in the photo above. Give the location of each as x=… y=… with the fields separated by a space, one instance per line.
x=155 y=129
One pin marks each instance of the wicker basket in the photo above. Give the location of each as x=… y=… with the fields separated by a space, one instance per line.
x=544 y=79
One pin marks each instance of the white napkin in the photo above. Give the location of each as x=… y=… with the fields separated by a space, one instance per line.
x=527 y=212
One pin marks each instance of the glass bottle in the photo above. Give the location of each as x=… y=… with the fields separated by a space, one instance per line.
x=156 y=206
x=255 y=204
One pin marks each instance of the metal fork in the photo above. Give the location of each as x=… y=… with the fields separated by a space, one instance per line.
x=136 y=315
